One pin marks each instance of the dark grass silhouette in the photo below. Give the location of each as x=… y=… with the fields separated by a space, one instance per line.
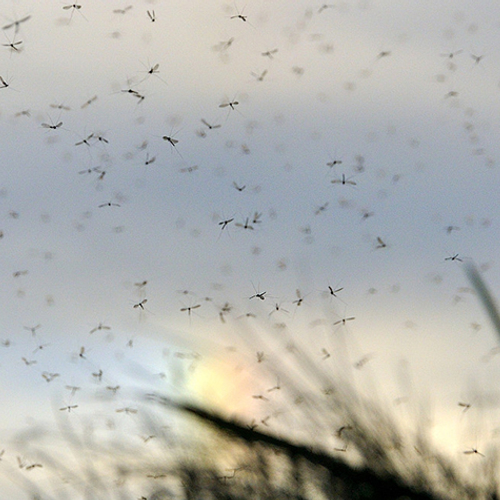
x=198 y=453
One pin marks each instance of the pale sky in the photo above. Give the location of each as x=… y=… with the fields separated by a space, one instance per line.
x=361 y=154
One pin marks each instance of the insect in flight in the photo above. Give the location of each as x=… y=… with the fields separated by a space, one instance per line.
x=16 y=23
x=151 y=15
x=343 y=320
x=140 y=304
x=343 y=180
x=209 y=125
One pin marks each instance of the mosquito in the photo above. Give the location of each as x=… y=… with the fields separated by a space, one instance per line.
x=473 y=451
x=33 y=466
x=384 y=53
x=334 y=292
x=13 y=45
x=239 y=15
x=465 y=406
x=238 y=187
x=258 y=295
x=99 y=327
x=269 y=53
x=380 y=243
x=85 y=140
x=122 y=11
x=324 y=7
x=98 y=375
x=209 y=125
x=113 y=388
x=343 y=180
x=41 y=347
x=454 y=257
x=52 y=125
x=451 y=55
x=109 y=204
x=477 y=59
x=74 y=7
x=155 y=71
x=60 y=106
x=90 y=170
x=190 y=308
x=224 y=223
x=149 y=160
x=33 y=329
x=321 y=208
x=277 y=307
x=231 y=104
x=140 y=304
x=259 y=77
x=245 y=225
x=49 y=377
x=151 y=15
x=343 y=320
x=256 y=218
x=277 y=387
x=68 y=408
x=126 y=410
x=172 y=141
x=3 y=83
x=16 y=23
x=29 y=362
x=88 y=102
x=299 y=299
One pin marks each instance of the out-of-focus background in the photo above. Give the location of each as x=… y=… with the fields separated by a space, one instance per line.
x=187 y=186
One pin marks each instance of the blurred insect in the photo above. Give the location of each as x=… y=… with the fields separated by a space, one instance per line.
x=16 y=23
x=321 y=208
x=259 y=77
x=126 y=410
x=29 y=362
x=151 y=15
x=33 y=466
x=33 y=329
x=140 y=304
x=3 y=83
x=454 y=258
x=325 y=353
x=49 y=377
x=109 y=204
x=465 y=406
x=451 y=55
x=256 y=218
x=380 y=243
x=324 y=7
x=362 y=362
x=142 y=284
x=299 y=299
x=277 y=387
x=90 y=170
x=269 y=53
x=366 y=214
x=343 y=320
x=244 y=225
x=73 y=388
x=190 y=308
x=343 y=180
x=41 y=347
x=113 y=388
x=189 y=169
x=260 y=396
x=52 y=125
x=88 y=102
x=473 y=451
x=210 y=126
x=149 y=160
x=477 y=59
x=384 y=53
x=60 y=106
x=99 y=327
x=238 y=187
x=68 y=408
x=122 y=11
x=260 y=356
x=98 y=375
x=450 y=229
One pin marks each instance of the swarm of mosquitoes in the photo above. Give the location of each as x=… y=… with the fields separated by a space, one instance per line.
x=241 y=222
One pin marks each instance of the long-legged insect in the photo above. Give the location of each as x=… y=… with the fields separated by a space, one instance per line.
x=13 y=45
x=269 y=53
x=151 y=15
x=140 y=304
x=258 y=295
x=343 y=320
x=245 y=225
x=454 y=257
x=68 y=408
x=52 y=125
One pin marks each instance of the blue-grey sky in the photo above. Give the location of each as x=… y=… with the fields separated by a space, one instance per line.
x=351 y=145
